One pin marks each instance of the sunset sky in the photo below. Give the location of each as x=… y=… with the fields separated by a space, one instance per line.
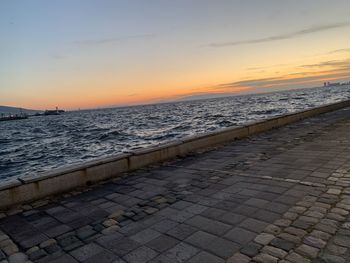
x=95 y=53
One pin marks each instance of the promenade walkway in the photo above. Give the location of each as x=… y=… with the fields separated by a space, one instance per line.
x=280 y=196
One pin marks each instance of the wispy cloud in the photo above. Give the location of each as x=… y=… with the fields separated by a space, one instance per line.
x=343 y=50
x=295 y=34
x=331 y=63
x=113 y=40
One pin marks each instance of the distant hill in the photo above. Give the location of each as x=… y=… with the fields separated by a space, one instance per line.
x=14 y=110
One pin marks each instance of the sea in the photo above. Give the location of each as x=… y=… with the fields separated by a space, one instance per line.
x=42 y=143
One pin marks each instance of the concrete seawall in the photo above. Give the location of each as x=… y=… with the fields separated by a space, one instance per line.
x=30 y=188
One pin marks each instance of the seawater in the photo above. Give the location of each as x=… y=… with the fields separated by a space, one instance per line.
x=42 y=143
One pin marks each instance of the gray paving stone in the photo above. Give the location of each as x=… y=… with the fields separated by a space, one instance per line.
x=104 y=257
x=180 y=253
x=140 y=255
x=85 y=252
x=274 y=251
x=209 y=225
x=328 y=258
x=162 y=243
x=296 y=258
x=282 y=244
x=206 y=257
x=145 y=236
x=223 y=248
x=307 y=251
x=240 y=235
x=122 y=246
x=265 y=258
x=336 y=250
x=245 y=210
x=251 y=249
x=255 y=202
x=253 y=225
x=164 y=225
x=70 y=242
x=40 y=253
x=18 y=258
x=182 y=231
x=200 y=239
x=266 y=216
x=64 y=259
x=231 y=218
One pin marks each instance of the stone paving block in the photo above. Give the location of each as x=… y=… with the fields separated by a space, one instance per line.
x=266 y=216
x=282 y=244
x=85 y=252
x=296 y=258
x=140 y=255
x=181 y=216
x=145 y=236
x=277 y=207
x=251 y=249
x=265 y=258
x=162 y=243
x=38 y=254
x=255 y=202
x=333 y=259
x=245 y=210
x=223 y=248
x=205 y=257
x=33 y=241
x=231 y=218
x=200 y=239
x=209 y=225
x=253 y=225
x=104 y=257
x=336 y=250
x=289 y=237
x=195 y=209
x=122 y=246
x=314 y=242
x=164 y=225
x=240 y=235
x=69 y=241
x=264 y=238
x=57 y=231
x=51 y=249
x=307 y=251
x=18 y=258
x=182 y=231
x=343 y=241
x=227 y=205
x=64 y=259
x=213 y=213
x=274 y=251
x=239 y=258
x=180 y=253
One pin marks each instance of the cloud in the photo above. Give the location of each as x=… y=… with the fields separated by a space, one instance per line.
x=114 y=40
x=299 y=33
x=332 y=63
x=340 y=70
x=343 y=50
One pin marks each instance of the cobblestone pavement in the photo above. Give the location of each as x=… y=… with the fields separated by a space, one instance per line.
x=281 y=196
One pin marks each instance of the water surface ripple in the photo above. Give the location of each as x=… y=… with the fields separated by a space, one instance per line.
x=39 y=144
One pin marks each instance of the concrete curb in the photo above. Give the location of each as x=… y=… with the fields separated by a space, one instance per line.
x=30 y=188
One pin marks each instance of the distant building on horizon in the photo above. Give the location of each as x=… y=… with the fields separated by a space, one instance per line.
x=335 y=84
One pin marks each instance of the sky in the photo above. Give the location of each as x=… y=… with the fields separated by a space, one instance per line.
x=99 y=53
